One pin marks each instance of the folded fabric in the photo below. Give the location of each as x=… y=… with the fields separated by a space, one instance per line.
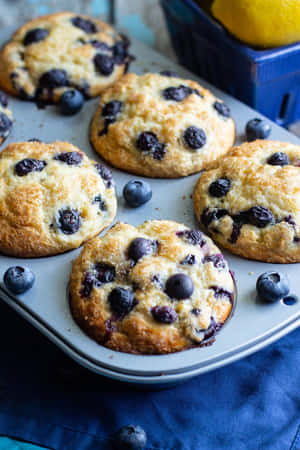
x=47 y=399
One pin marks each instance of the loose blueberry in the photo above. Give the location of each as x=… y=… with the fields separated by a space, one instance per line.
x=259 y=216
x=188 y=260
x=105 y=174
x=121 y=300
x=28 y=165
x=84 y=24
x=70 y=158
x=194 y=237
x=105 y=273
x=177 y=94
x=279 y=159
x=137 y=192
x=169 y=73
x=272 y=286
x=101 y=203
x=179 y=286
x=194 y=137
x=196 y=312
x=257 y=129
x=18 y=279
x=69 y=220
x=111 y=109
x=130 y=437
x=5 y=124
x=290 y=300
x=140 y=247
x=104 y=64
x=164 y=314
x=53 y=78
x=219 y=188
x=71 y=102
x=35 y=35
x=3 y=99
x=222 y=109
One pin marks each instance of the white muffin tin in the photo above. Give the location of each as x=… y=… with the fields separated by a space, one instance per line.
x=253 y=325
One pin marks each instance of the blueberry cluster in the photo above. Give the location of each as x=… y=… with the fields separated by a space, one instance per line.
x=110 y=112
x=148 y=143
x=258 y=216
x=70 y=158
x=100 y=274
x=179 y=93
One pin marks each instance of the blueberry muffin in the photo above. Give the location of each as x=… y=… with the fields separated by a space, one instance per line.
x=52 y=53
x=6 y=118
x=161 y=126
x=250 y=202
x=156 y=288
x=52 y=198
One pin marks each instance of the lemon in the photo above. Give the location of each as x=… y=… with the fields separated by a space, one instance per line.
x=262 y=23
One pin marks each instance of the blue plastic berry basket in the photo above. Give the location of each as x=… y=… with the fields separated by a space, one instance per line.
x=267 y=80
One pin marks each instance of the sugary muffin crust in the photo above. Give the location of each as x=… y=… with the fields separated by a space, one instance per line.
x=156 y=288
x=52 y=198
x=161 y=126
x=52 y=53
x=250 y=202
x=6 y=118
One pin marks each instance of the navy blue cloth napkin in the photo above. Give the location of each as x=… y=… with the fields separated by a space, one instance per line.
x=47 y=399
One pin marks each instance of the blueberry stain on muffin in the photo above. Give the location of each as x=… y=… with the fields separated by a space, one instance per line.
x=148 y=143
x=110 y=112
x=164 y=314
x=220 y=187
x=70 y=158
x=35 y=35
x=279 y=159
x=100 y=202
x=105 y=174
x=217 y=260
x=121 y=301
x=189 y=260
x=178 y=94
x=194 y=137
x=69 y=220
x=104 y=64
x=222 y=109
x=28 y=165
x=85 y=24
x=194 y=237
x=54 y=78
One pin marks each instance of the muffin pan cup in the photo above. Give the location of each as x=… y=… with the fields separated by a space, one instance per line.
x=46 y=305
